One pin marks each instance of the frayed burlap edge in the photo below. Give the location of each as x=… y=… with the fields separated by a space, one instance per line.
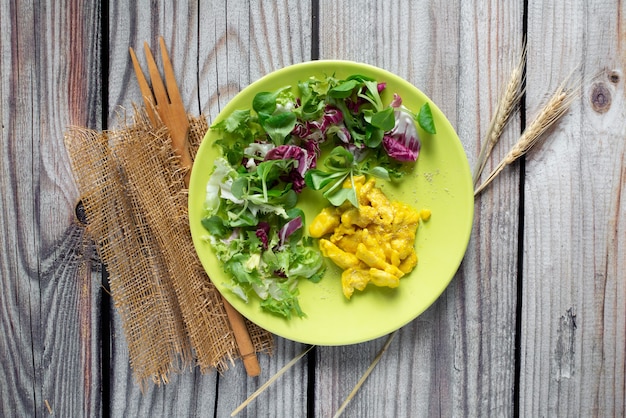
x=135 y=202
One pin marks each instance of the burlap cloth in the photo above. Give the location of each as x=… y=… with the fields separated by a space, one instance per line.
x=135 y=202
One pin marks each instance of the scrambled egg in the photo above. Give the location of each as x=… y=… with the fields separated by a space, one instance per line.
x=373 y=243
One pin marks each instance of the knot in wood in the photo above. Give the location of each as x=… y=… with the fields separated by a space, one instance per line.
x=80 y=213
x=614 y=77
x=600 y=98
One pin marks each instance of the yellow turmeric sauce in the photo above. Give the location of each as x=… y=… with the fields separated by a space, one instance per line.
x=374 y=243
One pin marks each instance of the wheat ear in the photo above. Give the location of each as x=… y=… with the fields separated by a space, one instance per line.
x=556 y=107
x=506 y=106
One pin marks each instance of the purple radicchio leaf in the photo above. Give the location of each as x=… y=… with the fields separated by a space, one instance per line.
x=301 y=130
x=288 y=229
x=402 y=142
x=344 y=134
x=332 y=115
x=303 y=160
x=308 y=130
x=397 y=100
x=290 y=152
x=262 y=231
x=316 y=130
x=313 y=151
x=296 y=181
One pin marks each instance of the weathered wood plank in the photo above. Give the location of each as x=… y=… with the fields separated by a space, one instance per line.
x=285 y=398
x=50 y=337
x=458 y=357
x=240 y=42
x=574 y=293
x=455 y=359
x=217 y=49
x=188 y=393
x=130 y=25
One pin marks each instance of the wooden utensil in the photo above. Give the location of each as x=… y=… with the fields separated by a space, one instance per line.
x=164 y=101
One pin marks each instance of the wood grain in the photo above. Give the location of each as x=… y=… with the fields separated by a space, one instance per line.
x=239 y=43
x=132 y=24
x=574 y=333
x=49 y=317
x=222 y=49
x=458 y=357
x=189 y=393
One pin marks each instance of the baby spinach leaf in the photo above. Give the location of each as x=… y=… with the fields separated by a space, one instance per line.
x=288 y=199
x=239 y=187
x=264 y=103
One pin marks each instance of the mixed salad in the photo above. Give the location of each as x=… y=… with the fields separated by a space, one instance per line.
x=271 y=152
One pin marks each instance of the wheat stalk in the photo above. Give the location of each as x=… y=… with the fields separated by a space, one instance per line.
x=270 y=381
x=556 y=107
x=506 y=106
x=365 y=375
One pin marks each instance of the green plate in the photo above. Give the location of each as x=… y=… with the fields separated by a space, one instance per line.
x=441 y=181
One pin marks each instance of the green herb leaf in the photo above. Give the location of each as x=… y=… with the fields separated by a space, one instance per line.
x=239 y=187
x=235 y=121
x=380 y=172
x=425 y=119
x=317 y=277
x=339 y=159
x=253 y=241
x=344 y=89
x=283 y=307
x=372 y=95
x=264 y=103
x=316 y=179
x=384 y=119
x=373 y=136
x=244 y=218
x=288 y=199
x=236 y=266
x=360 y=77
x=340 y=195
x=312 y=105
x=216 y=226
x=279 y=126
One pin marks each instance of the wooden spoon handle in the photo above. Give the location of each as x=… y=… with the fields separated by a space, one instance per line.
x=244 y=342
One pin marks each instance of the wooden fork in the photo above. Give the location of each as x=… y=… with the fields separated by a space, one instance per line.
x=166 y=101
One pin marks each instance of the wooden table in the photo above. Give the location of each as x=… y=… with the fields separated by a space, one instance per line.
x=534 y=322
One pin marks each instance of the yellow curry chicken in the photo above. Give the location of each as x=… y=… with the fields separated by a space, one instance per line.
x=373 y=243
